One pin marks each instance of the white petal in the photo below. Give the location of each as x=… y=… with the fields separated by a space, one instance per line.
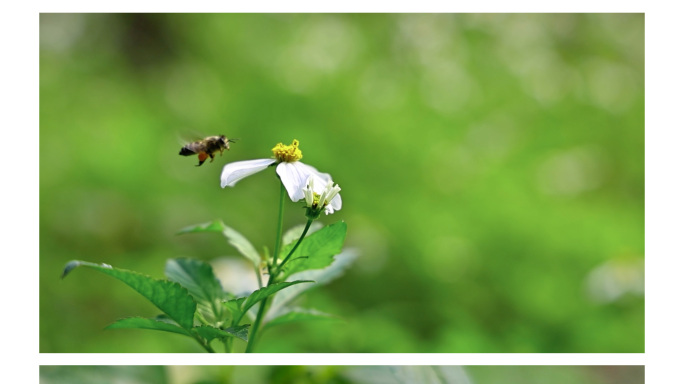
x=308 y=191
x=234 y=172
x=320 y=179
x=336 y=202
x=330 y=192
x=335 y=205
x=309 y=170
x=293 y=178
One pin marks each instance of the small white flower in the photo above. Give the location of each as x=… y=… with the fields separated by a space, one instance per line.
x=308 y=192
x=328 y=200
x=293 y=173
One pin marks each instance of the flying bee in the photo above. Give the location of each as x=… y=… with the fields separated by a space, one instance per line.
x=207 y=147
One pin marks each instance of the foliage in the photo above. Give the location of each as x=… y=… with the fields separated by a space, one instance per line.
x=494 y=164
x=344 y=374
x=193 y=301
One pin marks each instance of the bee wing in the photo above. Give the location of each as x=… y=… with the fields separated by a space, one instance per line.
x=187 y=137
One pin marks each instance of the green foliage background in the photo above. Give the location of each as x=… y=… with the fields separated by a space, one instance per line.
x=342 y=374
x=492 y=171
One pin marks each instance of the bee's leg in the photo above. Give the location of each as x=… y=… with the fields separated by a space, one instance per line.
x=202 y=157
x=212 y=157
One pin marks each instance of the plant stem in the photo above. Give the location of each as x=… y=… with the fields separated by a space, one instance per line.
x=256 y=325
x=271 y=277
x=206 y=346
x=279 y=230
x=306 y=229
x=271 y=280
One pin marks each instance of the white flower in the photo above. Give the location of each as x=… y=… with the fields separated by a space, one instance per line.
x=293 y=173
x=328 y=200
x=309 y=192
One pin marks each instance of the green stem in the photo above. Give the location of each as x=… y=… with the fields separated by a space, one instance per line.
x=256 y=325
x=204 y=344
x=271 y=278
x=306 y=229
x=279 y=230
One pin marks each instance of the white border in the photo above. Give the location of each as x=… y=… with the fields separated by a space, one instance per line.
x=664 y=194
x=344 y=359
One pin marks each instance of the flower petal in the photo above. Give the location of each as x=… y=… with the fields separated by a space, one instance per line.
x=336 y=202
x=320 y=179
x=236 y=171
x=295 y=176
x=309 y=170
x=293 y=179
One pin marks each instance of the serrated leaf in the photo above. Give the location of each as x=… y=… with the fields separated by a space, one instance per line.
x=234 y=238
x=235 y=306
x=298 y=315
x=168 y=296
x=265 y=292
x=199 y=279
x=144 y=323
x=316 y=251
x=320 y=276
x=211 y=333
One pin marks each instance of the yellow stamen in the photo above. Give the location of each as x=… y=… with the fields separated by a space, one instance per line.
x=288 y=153
x=316 y=200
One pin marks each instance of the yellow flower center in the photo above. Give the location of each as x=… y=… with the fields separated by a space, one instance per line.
x=316 y=200
x=288 y=153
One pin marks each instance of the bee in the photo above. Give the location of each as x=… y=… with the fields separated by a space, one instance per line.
x=206 y=147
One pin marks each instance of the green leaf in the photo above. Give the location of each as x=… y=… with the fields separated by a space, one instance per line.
x=213 y=226
x=211 y=333
x=143 y=323
x=70 y=266
x=316 y=251
x=234 y=306
x=199 y=279
x=168 y=296
x=265 y=292
x=234 y=238
x=300 y=314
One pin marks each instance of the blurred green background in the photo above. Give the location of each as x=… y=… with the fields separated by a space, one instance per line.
x=341 y=374
x=492 y=171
